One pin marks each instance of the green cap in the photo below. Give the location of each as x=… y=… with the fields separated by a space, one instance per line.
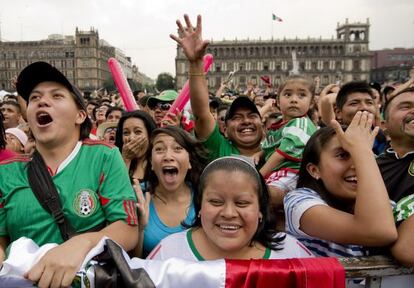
x=164 y=96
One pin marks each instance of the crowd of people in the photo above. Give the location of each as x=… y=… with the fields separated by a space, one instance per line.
x=265 y=173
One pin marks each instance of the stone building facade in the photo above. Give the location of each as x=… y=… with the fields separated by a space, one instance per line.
x=83 y=58
x=345 y=58
x=392 y=65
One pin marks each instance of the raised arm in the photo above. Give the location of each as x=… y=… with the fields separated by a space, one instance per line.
x=372 y=223
x=327 y=100
x=194 y=47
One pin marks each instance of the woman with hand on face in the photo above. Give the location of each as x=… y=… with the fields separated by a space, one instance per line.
x=175 y=160
x=133 y=132
x=341 y=205
x=234 y=219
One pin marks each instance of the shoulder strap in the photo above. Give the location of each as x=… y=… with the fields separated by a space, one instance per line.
x=45 y=191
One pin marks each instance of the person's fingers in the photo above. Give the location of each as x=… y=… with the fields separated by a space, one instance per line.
x=188 y=23
x=375 y=131
x=35 y=272
x=199 y=24
x=68 y=278
x=337 y=127
x=180 y=26
x=175 y=38
x=356 y=120
x=138 y=191
x=46 y=278
x=205 y=44
x=57 y=279
x=370 y=121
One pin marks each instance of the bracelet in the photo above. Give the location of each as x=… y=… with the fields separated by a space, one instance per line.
x=196 y=74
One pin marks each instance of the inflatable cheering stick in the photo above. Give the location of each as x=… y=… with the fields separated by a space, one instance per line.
x=122 y=85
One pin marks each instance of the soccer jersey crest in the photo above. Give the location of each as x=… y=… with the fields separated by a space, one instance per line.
x=411 y=168
x=85 y=203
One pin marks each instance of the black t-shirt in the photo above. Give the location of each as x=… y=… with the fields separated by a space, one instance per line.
x=398 y=174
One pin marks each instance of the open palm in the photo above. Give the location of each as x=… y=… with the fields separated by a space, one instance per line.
x=190 y=39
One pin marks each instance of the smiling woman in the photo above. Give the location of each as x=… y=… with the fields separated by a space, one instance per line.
x=234 y=219
x=341 y=207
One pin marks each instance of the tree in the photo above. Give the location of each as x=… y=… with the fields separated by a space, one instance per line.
x=164 y=82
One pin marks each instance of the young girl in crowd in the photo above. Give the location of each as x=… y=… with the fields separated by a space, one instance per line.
x=132 y=134
x=175 y=160
x=341 y=203
x=234 y=219
x=287 y=138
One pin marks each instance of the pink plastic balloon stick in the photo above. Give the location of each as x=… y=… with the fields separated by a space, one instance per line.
x=184 y=96
x=122 y=85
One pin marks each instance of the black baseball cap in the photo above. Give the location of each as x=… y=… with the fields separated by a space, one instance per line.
x=39 y=72
x=241 y=102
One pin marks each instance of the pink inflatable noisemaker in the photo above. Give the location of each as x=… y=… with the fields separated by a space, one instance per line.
x=122 y=85
x=184 y=96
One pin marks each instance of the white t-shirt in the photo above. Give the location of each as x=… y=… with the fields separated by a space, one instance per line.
x=296 y=203
x=181 y=245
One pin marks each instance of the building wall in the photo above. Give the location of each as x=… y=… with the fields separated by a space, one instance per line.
x=83 y=58
x=392 y=65
x=334 y=60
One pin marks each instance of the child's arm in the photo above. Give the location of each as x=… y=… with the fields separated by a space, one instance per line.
x=372 y=223
x=274 y=160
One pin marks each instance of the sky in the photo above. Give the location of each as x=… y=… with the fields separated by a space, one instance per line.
x=141 y=28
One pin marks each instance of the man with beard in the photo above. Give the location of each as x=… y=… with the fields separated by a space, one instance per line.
x=244 y=128
x=397 y=169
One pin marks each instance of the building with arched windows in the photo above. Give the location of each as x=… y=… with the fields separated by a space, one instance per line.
x=344 y=58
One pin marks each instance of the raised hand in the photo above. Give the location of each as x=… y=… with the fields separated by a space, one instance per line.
x=190 y=39
x=142 y=205
x=359 y=134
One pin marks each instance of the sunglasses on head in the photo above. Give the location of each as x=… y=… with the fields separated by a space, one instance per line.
x=162 y=106
x=110 y=129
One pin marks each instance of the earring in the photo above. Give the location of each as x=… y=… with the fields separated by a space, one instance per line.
x=199 y=215
x=260 y=219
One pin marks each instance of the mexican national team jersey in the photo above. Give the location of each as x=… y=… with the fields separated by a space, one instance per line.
x=93 y=186
x=181 y=245
x=288 y=139
x=218 y=146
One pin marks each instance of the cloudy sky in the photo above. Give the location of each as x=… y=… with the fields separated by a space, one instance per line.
x=141 y=27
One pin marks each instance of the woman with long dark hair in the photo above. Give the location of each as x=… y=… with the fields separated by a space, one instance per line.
x=234 y=219
x=132 y=134
x=341 y=205
x=175 y=160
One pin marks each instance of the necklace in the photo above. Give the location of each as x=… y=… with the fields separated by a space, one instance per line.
x=162 y=200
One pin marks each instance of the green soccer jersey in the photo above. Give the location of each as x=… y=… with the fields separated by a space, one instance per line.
x=93 y=186
x=288 y=139
x=218 y=146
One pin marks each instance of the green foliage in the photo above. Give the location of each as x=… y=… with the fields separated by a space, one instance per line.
x=165 y=81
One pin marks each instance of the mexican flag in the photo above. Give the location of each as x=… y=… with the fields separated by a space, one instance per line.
x=174 y=272
x=276 y=18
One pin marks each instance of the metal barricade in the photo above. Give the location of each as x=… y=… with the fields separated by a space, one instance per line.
x=373 y=269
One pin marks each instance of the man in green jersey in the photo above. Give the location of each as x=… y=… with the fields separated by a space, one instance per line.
x=244 y=128
x=90 y=177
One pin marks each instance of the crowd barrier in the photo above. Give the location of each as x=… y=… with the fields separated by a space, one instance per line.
x=378 y=271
